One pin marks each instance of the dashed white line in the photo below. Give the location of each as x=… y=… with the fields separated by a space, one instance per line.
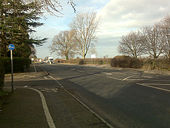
x=46 y=110
x=146 y=85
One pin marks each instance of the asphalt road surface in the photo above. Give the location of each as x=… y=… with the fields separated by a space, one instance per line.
x=125 y=98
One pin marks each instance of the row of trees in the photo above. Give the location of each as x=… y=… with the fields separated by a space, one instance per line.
x=18 y=18
x=149 y=40
x=79 y=40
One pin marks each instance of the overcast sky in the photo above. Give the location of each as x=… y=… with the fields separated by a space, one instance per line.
x=117 y=18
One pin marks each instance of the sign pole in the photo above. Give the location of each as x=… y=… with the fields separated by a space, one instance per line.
x=12 y=78
x=12 y=47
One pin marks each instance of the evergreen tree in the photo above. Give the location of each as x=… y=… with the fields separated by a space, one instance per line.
x=17 y=22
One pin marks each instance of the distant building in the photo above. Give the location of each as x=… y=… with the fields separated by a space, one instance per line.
x=93 y=56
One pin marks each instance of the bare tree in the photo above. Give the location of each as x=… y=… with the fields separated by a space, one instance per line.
x=85 y=25
x=132 y=44
x=165 y=25
x=64 y=44
x=53 y=6
x=155 y=40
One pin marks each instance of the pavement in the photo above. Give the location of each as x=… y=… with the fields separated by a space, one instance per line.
x=40 y=102
x=23 y=110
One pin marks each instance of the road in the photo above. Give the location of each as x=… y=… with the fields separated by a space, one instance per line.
x=125 y=98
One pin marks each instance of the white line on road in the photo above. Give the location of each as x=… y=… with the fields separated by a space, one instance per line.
x=45 y=77
x=162 y=89
x=45 y=108
x=107 y=73
x=135 y=79
x=56 y=80
x=114 y=78
x=83 y=104
x=156 y=84
x=127 y=78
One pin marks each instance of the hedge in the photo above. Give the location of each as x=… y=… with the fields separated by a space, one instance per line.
x=159 y=64
x=98 y=61
x=126 y=62
x=1 y=74
x=20 y=65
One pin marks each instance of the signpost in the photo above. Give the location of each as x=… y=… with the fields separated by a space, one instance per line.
x=11 y=47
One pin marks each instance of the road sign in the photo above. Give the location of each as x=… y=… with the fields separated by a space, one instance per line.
x=11 y=47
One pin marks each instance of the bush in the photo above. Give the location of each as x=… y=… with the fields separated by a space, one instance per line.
x=20 y=64
x=151 y=64
x=1 y=74
x=126 y=62
x=81 y=61
x=136 y=63
x=100 y=62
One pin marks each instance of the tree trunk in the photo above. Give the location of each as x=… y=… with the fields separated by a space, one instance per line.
x=84 y=56
x=66 y=57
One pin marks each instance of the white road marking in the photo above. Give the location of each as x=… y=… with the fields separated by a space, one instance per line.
x=108 y=73
x=55 y=80
x=162 y=89
x=45 y=108
x=156 y=84
x=127 y=78
x=45 y=77
x=54 y=90
x=135 y=79
x=114 y=78
x=83 y=104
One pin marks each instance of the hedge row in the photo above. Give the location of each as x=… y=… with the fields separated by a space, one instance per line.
x=126 y=62
x=85 y=61
x=19 y=64
x=151 y=64
x=2 y=71
x=123 y=62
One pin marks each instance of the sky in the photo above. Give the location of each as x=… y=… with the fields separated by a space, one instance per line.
x=117 y=18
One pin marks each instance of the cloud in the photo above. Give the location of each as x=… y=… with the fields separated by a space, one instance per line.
x=121 y=16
